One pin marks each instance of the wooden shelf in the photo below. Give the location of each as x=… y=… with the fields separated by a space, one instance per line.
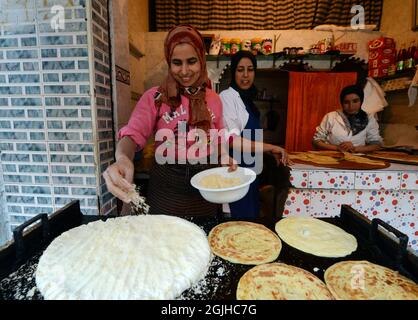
x=280 y=56
x=405 y=90
x=404 y=74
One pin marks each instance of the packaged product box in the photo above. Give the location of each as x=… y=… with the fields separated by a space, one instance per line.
x=379 y=72
x=382 y=42
x=347 y=47
x=381 y=61
x=381 y=52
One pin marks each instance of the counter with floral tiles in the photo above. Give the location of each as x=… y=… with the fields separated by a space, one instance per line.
x=390 y=194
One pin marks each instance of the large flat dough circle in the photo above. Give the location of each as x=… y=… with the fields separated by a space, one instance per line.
x=316 y=237
x=363 y=280
x=132 y=257
x=244 y=242
x=279 y=281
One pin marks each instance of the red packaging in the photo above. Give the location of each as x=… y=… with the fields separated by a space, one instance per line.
x=381 y=62
x=381 y=52
x=379 y=72
x=382 y=42
x=347 y=47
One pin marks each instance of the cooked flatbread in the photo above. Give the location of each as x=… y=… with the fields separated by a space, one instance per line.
x=353 y=158
x=313 y=157
x=330 y=153
x=362 y=280
x=279 y=281
x=244 y=242
x=392 y=156
x=132 y=257
x=316 y=237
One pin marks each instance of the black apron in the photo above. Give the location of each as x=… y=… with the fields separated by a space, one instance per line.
x=171 y=193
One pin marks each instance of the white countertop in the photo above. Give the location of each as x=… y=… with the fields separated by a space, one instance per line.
x=392 y=167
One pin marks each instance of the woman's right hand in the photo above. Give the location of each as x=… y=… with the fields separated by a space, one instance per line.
x=346 y=146
x=281 y=156
x=119 y=177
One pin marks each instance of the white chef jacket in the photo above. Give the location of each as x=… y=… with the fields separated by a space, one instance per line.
x=335 y=129
x=234 y=112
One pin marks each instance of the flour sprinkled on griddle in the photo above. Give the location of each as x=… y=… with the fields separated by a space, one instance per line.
x=209 y=287
x=21 y=285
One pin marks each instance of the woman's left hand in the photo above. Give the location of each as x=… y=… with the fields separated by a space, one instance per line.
x=281 y=156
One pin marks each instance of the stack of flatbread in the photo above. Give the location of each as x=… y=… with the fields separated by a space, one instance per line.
x=313 y=157
x=363 y=160
x=244 y=242
x=335 y=159
x=279 y=281
x=316 y=237
x=362 y=280
x=399 y=157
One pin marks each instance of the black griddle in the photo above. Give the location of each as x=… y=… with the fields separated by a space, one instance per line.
x=378 y=243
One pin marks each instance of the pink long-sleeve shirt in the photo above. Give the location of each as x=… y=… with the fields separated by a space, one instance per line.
x=169 y=128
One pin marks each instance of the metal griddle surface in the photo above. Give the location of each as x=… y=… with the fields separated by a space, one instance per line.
x=222 y=278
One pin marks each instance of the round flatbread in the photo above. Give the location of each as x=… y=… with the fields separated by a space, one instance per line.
x=244 y=242
x=132 y=257
x=279 y=281
x=316 y=237
x=363 y=280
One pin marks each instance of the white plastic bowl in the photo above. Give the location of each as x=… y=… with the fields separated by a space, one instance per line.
x=224 y=195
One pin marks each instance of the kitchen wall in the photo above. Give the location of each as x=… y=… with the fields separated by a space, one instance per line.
x=55 y=111
x=102 y=106
x=398 y=119
x=397 y=21
x=130 y=22
x=156 y=66
x=138 y=26
x=4 y=219
x=120 y=59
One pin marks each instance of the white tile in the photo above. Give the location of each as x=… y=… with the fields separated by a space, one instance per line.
x=409 y=180
x=299 y=179
x=297 y=203
x=377 y=180
x=331 y=180
x=381 y=204
x=327 y=203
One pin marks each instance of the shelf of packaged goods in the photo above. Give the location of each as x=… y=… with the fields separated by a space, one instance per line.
x=403 y=74
x=279 y=56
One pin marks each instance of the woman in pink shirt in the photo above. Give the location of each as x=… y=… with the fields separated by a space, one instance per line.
x=182 y=113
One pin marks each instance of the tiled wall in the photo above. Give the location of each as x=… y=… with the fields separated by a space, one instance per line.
x=4 y=219
x=103 y=102
x=50 y=129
